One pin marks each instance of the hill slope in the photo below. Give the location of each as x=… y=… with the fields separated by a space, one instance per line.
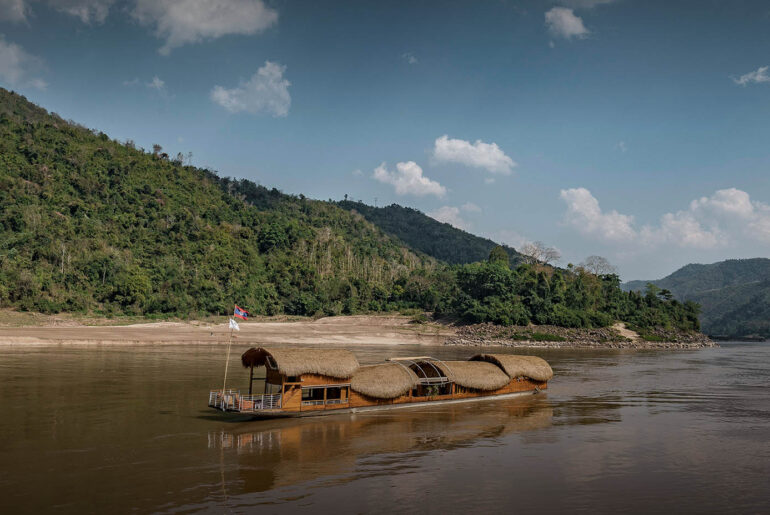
x=88 y=223
x=424 y=234
x=734 y=295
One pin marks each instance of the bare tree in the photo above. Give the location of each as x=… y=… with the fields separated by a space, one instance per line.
x=598 y=265
x=538 y=252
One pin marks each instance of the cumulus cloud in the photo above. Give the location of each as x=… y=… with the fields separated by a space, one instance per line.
x=563 y=22
x=181 y=22
x=584 y=213
x=585 y=4
x=13 y=10
x=17 y=67
x=450 y=215
x=758 y=76
x=510 y=238
x=88 y=11
x=470 y=207
x=710 y=222
x=409 y=57
x=408 y=179
x=477 y=155
x=266 y=92
x=157 y=84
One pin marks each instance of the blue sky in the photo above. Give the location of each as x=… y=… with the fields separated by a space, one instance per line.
x=636 y=130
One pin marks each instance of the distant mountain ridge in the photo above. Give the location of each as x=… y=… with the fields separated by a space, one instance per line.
x=427 y=235
x=734 y=295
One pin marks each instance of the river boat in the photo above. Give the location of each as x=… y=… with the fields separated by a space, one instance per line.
x=302 y=382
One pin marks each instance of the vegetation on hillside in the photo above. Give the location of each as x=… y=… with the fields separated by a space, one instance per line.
x=424 y=234
x=734 y=295
x=88 y=224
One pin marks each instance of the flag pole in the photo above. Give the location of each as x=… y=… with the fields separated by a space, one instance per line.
x=227 y=362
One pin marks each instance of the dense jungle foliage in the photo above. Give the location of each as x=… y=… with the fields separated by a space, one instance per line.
x=88 y=224
x=424 y=234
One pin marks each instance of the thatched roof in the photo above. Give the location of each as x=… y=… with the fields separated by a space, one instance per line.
x=384 y=381
x=474 y=374
x=519 y=366
x=337 y=363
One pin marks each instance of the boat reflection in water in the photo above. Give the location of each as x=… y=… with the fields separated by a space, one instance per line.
x=280 y=453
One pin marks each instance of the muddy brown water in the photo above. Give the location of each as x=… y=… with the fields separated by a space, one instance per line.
x=117 y=429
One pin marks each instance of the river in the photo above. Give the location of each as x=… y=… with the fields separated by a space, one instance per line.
x=117 y=429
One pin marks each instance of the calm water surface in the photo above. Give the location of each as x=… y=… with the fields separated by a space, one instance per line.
x=126 y=429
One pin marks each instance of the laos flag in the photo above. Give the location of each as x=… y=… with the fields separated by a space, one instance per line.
x=240 y=313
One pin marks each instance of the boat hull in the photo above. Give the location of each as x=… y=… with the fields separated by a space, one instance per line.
x=265 y=415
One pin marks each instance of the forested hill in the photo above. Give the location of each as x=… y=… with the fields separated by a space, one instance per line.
x=424 y=234
x=88 y=223
x=734 y=295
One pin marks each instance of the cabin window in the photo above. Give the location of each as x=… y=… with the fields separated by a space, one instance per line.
x=312 y=396
x=336 y=395
x=292 y=379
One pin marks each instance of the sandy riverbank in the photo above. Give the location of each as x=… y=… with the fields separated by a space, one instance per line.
x=344 y=330
x=37 y=329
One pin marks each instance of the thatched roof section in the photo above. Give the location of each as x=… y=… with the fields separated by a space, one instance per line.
x=384 y=381
x=474 y=374
x=337 y=363
x=519 y=366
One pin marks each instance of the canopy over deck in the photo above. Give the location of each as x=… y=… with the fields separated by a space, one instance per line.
x=477 y=375
x=384 y=381
x=515 y=365
x=337 y=363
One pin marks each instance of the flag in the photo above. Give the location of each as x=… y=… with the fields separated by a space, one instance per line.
x=234 y=325
x=240 y=313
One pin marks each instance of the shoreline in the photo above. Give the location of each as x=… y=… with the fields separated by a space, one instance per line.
x=344 y=330
x=617 y=336
x=32 y=329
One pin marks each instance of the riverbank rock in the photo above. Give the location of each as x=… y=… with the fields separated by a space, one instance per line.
x=481 y=335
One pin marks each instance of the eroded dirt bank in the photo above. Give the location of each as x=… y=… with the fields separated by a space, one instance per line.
x=347 y=330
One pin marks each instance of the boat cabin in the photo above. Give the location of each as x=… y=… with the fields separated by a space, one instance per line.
x=301 y=381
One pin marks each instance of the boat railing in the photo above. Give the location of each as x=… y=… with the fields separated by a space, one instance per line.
x=233 y=400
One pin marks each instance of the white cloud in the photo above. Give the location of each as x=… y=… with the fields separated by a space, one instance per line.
x=727 y=217
x=489 y=180
x=357 y=173
x=758 y=76
x=17 y=67
x=470 y=207
x=585 y=4
x=682 y=229
x=408 y=180
x=266 y=92
x=510 y=238
x=89 y=11
x=622 y=146
x=410 y=58
x=190 y=21
x=584 y=213
x=450 y=215
x=13 y=10
x=477 y=155
x=563 y=22
x=157 y=84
